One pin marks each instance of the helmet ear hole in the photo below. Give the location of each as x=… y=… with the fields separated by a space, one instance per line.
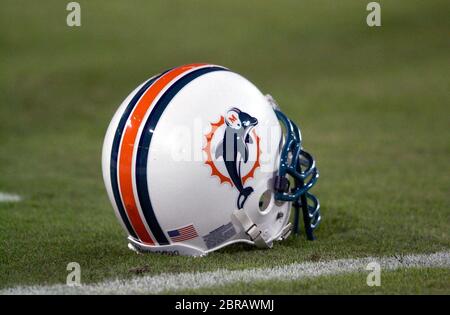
x=265 y=200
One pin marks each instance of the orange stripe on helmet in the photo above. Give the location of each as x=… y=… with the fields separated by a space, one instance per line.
x=127 y=145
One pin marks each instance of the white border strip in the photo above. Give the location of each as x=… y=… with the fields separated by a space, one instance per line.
x=175 y=282
x=5 y=197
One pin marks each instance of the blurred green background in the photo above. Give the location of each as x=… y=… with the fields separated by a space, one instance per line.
x=372 y=102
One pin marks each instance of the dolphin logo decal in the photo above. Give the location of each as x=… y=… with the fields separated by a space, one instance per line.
x=234 y=149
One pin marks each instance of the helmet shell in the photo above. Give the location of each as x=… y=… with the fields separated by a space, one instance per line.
x=184 y=151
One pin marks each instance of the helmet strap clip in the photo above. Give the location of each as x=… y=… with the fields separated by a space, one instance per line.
x=251 y=229
x=281 y=184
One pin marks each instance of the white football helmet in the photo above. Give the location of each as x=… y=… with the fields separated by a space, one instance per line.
x=197 y=158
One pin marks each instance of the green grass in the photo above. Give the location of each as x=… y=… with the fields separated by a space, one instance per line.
x=373 y=105
x=402 y=281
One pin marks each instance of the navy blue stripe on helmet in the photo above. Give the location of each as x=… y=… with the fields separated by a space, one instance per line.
x=115 y=153
x=144 y=147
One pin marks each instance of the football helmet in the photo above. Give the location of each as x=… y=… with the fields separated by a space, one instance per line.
x=197 y=158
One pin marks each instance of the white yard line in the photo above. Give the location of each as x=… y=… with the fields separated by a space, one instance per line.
x=5 y=197
x=174 y=282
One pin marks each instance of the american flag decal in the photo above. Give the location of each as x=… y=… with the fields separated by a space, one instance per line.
x=183 y=234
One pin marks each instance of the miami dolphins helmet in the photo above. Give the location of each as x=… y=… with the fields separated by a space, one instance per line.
x=197 y=158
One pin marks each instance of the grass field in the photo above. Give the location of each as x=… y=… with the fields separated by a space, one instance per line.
x=411 y=281
x=373 y=105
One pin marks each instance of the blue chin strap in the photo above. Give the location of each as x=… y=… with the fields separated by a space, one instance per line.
x=301 y=167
